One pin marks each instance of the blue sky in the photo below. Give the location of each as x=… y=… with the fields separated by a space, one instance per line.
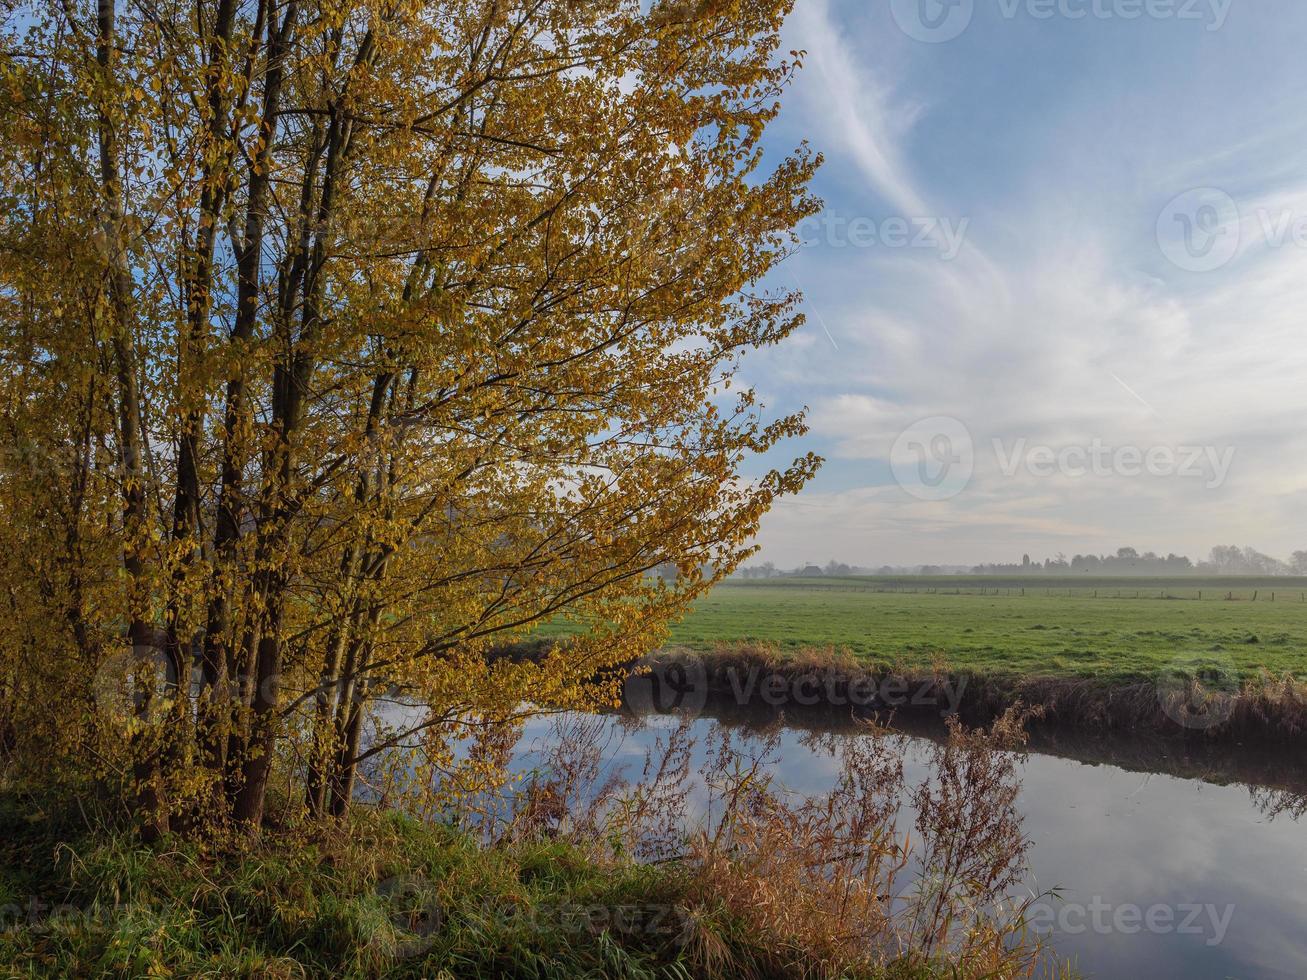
x=1076 y=231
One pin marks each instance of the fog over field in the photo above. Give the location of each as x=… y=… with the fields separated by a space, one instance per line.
x=1054 y=301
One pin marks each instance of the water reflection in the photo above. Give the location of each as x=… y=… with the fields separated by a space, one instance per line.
x=1154 y=875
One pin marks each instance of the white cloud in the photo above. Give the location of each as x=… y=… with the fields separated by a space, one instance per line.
x=1060 y=322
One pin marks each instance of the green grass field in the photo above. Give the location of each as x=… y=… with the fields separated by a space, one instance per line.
x=1114 y=630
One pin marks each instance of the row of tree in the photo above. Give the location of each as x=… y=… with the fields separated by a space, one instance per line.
x=1224 y=560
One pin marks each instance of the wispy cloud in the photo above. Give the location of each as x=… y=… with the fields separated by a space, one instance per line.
x=855 y=107
x=1062 y=319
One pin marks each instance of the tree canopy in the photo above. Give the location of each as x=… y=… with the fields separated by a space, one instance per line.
x=344 y=342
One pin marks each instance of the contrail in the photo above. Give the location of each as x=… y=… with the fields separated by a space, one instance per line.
x=815 y=311
x=1135 y=395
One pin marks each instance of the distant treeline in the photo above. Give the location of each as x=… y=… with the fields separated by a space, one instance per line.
x=1223 y=560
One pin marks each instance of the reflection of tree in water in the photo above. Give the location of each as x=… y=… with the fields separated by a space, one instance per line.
x=831 y=871
x=1273 y=803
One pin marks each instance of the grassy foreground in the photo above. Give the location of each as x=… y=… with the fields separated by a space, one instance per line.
x=383 y=896
x=386 y=897
x=1114 y=631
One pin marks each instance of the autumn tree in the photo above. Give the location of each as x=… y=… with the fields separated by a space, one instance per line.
x=344 y=342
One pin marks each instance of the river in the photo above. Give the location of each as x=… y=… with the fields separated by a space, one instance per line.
x=1154 y=874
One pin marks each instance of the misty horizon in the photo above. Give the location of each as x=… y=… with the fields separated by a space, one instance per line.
x=1222 y=560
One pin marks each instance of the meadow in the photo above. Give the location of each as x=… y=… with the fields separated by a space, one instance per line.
x=1114 y=630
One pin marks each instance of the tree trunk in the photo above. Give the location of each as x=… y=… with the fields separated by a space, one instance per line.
x=223 y=682
x=141 y=634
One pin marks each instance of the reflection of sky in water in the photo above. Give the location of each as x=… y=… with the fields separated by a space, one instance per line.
x=1130 y=838
x=1099 y=833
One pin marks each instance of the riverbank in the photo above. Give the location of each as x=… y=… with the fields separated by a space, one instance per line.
x=382 y=896
x=1186 y=700
x=1262 y=768
x=385 y=896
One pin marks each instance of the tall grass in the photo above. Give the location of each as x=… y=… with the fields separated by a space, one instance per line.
x=873 y=875
x=686 y=871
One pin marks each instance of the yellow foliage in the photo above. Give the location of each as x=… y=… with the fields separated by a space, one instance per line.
x=345 y=342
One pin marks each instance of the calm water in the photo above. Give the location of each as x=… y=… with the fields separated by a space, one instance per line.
x=1157 y=876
